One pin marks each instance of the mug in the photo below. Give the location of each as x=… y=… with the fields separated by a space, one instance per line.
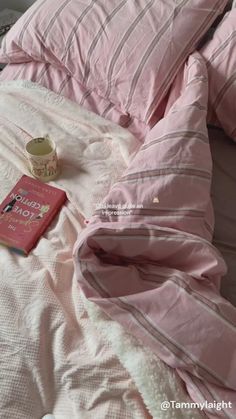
x=42 y=156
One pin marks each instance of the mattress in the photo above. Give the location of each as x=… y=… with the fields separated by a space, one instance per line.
x=223 y=153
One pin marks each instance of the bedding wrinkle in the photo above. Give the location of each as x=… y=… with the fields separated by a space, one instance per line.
x=136 y=79
x=150 y=49
x=220 y=58
x=119 y=48
x=182 y=251
x=119 y=305
x=77 y=24
x=101 y=31
x=190 y=46
x=50 y=26
x=27 y=22
x=58 y=359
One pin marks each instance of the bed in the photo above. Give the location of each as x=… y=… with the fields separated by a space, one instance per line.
x=71 y=344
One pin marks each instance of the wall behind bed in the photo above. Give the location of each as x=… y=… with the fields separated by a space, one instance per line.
x=20 y=5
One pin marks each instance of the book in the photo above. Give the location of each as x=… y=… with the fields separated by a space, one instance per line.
x=26 y=213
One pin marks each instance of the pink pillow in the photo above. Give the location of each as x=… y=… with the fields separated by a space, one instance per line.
x=61 y=83
x=126 y=51
x=220 y=56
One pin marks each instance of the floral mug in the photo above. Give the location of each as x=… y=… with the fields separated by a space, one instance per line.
x=42 y=157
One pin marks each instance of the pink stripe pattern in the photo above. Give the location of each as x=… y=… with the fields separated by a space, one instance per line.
x=219 y=54
x=153 y=268
x=126 y=52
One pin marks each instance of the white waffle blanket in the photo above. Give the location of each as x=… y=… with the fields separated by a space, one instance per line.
x=55 y=357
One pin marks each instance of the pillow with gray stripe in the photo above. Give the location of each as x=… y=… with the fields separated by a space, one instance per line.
x=220 y=56
x=126 y=51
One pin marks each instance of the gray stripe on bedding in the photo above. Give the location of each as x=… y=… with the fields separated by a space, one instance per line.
x=161 y=92
x=75 y=27
x=150 y=50
x=98 y=36
x=120 y=46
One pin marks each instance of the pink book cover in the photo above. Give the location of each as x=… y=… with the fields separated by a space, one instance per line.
x=26 y=213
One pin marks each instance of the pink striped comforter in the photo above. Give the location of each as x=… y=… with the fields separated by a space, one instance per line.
x=146 y=256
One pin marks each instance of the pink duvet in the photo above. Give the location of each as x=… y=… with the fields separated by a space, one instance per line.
x=147 y=260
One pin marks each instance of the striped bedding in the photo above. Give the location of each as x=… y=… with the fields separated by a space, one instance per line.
x=146 y=257
x=52 y=359
x=220 y=57
x=60 y=82
x=126 y=52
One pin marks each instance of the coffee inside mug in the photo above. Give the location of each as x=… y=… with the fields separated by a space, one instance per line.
x=40 y=147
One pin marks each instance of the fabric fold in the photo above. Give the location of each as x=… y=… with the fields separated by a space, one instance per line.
x=146 y=257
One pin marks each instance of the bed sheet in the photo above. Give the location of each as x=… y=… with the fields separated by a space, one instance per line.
x=223 y=153
x=54 y=79
x=63 y=83
x=57 y=354
x=52 y=358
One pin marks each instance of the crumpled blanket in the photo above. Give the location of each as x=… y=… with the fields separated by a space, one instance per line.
x=59 y=354
x=146 y=257
x=52 y=359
